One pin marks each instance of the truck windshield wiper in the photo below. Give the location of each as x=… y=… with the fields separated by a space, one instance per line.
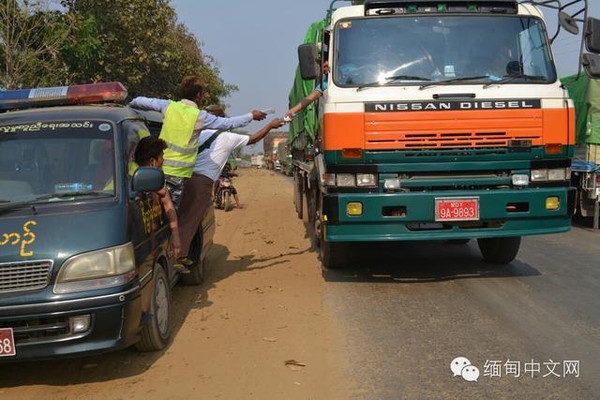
x=81 y=194
x=393 y=78
x=448 y=81
x=510 y=78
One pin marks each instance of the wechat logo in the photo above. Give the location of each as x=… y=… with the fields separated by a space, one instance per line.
x=461 y=366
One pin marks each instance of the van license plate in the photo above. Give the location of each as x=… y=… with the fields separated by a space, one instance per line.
x=457 y=209
x=7 y=343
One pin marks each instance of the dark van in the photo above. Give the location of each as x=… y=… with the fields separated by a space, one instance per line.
x=85 y=257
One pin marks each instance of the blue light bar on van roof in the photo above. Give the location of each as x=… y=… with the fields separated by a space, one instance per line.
x=62 y=95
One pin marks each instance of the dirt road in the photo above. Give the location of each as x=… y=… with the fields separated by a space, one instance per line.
x=261 y=305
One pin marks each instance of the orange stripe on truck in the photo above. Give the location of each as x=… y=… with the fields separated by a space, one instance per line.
x=447 y=129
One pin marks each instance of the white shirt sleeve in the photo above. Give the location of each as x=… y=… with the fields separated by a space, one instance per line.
x=147 y=103
x=213 y=122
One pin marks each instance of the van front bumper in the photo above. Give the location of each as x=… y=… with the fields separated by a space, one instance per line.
x=44 y=330
x=415 y=219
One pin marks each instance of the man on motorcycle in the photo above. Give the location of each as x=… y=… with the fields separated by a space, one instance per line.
x=227 y=174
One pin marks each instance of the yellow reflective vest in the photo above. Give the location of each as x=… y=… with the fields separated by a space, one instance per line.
x=178 y=128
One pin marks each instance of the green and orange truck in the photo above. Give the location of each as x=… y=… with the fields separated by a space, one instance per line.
x=442 y=120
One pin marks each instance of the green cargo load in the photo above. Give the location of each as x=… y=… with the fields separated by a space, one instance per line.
x=585 y=93
x=303 y=128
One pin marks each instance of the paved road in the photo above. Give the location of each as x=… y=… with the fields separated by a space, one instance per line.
x=408 y=310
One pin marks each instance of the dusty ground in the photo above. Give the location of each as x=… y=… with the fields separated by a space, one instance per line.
x=262 y=304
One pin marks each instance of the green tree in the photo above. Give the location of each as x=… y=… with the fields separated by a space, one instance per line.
x=141 y=44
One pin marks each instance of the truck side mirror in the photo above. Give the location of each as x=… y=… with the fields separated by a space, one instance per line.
x=591 y=64
x=568 y=23
x=592 y=35
x=147 y=179
x=308 y=58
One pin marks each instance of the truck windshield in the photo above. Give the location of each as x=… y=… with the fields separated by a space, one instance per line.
x=413 y=50
x=56 y=161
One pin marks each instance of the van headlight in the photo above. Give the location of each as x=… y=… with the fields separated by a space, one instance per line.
x=98 y=269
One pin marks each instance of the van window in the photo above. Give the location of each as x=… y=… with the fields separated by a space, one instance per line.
x=56 y=158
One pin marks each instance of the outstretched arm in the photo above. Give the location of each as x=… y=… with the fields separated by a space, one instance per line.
x=213 y=122
x=312 y=96
x=275 y=123
x=147 y=103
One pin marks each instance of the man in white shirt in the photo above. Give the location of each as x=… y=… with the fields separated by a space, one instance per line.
x=197 y=193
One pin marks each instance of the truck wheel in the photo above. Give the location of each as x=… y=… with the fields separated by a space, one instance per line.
x=298 y=190
x=196 y=275
x=155 y=334
x=499 y=250
x=330 y=254
x=458 y=241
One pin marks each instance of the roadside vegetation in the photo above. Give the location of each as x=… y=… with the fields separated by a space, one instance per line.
x=139 y=43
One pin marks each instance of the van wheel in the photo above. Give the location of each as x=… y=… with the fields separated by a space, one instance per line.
x=196 y=275
x=155 y=334
x=499 y=250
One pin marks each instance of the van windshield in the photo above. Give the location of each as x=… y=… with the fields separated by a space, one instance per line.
x=56 y=160
x=419 y=49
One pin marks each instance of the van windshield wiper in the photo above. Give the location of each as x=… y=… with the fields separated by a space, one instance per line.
x=510 y=78
x=6 y=205
x=449 y=81
x=11 y=205
x=393 y=78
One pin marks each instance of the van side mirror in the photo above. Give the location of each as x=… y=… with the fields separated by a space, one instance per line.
x=147 y=179
x=592 y=35
x=591 y=64
x=308 y=59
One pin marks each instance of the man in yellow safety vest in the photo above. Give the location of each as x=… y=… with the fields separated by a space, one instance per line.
x=183 y=121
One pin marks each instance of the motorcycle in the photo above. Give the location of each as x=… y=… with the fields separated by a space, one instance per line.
x=224 y=194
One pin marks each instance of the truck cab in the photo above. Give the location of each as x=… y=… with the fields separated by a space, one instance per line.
x=85 y=256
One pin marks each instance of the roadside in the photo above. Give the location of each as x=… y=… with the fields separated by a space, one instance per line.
x=261 y=305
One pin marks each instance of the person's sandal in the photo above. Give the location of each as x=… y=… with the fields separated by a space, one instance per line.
x=182 y=264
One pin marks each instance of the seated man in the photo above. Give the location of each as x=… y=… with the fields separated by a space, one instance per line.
x=149 y=153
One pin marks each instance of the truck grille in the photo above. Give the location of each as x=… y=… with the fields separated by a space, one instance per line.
x=449 y=130
x=28 y=275
x=452 y=140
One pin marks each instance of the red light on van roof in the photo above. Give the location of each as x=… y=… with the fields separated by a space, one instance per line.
x=96 y=93
x=63 y=95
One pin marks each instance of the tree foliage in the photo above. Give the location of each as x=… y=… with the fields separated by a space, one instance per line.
x=137 y=42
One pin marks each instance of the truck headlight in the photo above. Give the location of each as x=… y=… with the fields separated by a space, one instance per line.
x=98 y=269
x=366 y=180
x=557 y=174
x=538 y=175
x=520 y=180
x=345 y=180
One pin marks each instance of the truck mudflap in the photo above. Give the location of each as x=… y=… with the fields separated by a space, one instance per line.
x=412 y=215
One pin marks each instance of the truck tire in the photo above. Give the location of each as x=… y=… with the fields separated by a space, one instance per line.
x=458 y=241
x=330 y=254
x=499 y=250
x=298 y=194
x=156 y=333
x=196 y=275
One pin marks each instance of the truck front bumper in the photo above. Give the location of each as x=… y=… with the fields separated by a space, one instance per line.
x=416 y=219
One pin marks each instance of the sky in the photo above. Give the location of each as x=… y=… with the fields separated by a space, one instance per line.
x=255 y=44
